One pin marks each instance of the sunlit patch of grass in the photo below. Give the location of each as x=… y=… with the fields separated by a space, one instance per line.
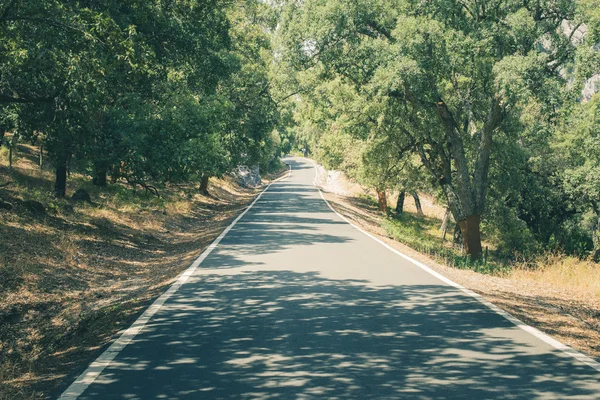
x=561 y=271
x=413 y=231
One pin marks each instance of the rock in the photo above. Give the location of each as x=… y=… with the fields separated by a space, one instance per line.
x=81 y=195
x=34 y=206
x=591 y=87
x=248 y=177
x=4 y=205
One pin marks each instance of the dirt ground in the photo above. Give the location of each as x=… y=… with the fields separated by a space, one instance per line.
x=73 y=276
x=563 y=313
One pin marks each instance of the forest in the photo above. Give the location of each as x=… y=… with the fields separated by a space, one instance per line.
x=489 y=106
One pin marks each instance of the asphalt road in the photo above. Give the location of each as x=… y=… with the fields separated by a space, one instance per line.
x=295 y=303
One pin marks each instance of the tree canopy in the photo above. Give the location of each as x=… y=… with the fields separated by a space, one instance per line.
x=145 y=91
x=476 y=91
x=488 y=105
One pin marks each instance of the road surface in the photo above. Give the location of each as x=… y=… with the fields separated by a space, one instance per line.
x=294 y=303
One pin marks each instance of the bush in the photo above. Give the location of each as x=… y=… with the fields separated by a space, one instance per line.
x=509 y=233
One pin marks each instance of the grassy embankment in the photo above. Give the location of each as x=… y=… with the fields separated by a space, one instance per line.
x=73 y=273
x=423 y=234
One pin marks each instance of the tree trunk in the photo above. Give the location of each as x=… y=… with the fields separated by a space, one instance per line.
x=204 y=185
x=400 y=203
x=60 y=184
x=596 y=235
x=415 y=196
x=10 y=155
x=382 y=201
x=41 y=156
x=444 y=227
x=99 y=178
x=457 y=236
x=471 y=236
x=115 y=174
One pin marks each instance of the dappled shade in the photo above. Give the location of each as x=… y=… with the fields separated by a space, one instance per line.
x=289 y=306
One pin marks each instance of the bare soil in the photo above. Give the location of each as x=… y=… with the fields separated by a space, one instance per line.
x=562 y=312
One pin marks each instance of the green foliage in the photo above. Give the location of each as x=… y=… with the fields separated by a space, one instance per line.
x=423 y=234
x=148 y=91
x=458 y=99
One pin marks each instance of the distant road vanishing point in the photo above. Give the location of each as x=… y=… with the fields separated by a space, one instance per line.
x=295 y=303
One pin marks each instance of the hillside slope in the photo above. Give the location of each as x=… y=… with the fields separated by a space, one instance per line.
x=73 y=273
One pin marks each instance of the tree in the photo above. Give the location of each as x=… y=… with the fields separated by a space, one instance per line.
x=578 y=152
x=452 y=72
x=144 y=90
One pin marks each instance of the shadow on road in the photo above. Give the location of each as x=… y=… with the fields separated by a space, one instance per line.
x=287 y=335
x=234 y=333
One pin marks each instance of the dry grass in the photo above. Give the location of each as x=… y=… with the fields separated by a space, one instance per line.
x=72 y=277
x=570 y=273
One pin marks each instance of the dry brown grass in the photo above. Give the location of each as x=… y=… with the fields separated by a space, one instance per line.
x=581 y=277
x=70 y=279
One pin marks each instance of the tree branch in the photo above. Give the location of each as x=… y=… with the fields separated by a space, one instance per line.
x=6 y=99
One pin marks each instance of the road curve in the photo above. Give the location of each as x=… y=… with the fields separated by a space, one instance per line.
x=294 y=303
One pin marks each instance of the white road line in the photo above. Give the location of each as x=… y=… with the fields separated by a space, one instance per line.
x=527 y=328
x=84 y=380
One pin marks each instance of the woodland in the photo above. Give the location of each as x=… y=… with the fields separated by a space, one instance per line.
x=489 y=106
x=124 y=126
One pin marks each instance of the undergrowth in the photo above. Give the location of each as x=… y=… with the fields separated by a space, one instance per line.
x=423 y=235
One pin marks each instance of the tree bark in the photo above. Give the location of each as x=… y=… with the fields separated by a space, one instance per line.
x=204 y=184
x=444 y=227
x=382 y=201
x=10 y=156
x=60 y=184
x=466 y=198
x=457 y=236
x=400 y=203
x=415 y=196
x=596 y=241
x=41 y=156
x=470 y=228
x=596 y=233
x=115 y=174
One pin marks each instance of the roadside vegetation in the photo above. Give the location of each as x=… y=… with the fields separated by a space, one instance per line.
x=127 y=133
x=423 y=232
x=142 y=92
